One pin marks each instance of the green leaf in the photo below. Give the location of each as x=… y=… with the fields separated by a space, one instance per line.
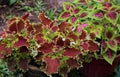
x=118 y=18
x=108 y=59
x=52 y=35
x=67 y=4
x=97 y=29
x=44 y=31
x=34 y=52
x=64 y=15
x=99 y=6
x=111 y=20
x=110 y=33
x=116 y=2
x=96 y=15
x=118 y=26
x=103 y=51
x=12 y=1
x=51 y=14
x=74 y=22
x=96 y=55
x=77 y=10
x=76 y=1
x=114 y=48
x=118 y=22
x=84 y=17
x=63 y=61
x=88 y=58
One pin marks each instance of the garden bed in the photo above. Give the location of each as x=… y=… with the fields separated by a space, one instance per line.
x=48 y=38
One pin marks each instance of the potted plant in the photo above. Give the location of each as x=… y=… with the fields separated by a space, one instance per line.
x=84 y=32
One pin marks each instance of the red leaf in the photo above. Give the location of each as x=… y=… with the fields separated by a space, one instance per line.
x=20 y=25
x=25 y=16
x=39 y=56
x=68 y=7
x=113 y=9
x=64 y=71
x=109 y=34
x=38 y=28
x=109 y=53
x=46 y=48
x=99 y=14
x=107 y=6
x=39 y=38
x=24 y=49
x=92 y=35
x=21 y=42
x=52 y=65
x=73 y=36
x=83 y=35
x=67 y=42
x=71 y=52
x=63 y=26
x=72 y=63
x=65 y=15
x=104 y=44
x=118 y=11
x=73 y=19
x=4 y=33
x=11 y=21
x=30 y=29
x=76 y=10
x=55 y=28
x=44 y=20
x=17 y=26
x=118 y=40
x=83 y=15
x=112 y=43
x=27 y=23
x=4 y=49
x=51 y=24
x=112 y=15
x=11 y=64
x=23 y=64
x=93 y=46
x=60 y=42
x=84 y=45
x=13 y=27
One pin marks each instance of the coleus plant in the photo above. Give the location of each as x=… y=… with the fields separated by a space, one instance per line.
x=83 y=31
x=96 y=18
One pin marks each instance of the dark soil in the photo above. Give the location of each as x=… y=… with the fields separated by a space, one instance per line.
x=14 y=10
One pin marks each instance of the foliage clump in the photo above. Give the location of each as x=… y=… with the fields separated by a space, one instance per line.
x=83 y=31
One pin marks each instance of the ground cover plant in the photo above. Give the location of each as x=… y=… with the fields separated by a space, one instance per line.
x=83 y=30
